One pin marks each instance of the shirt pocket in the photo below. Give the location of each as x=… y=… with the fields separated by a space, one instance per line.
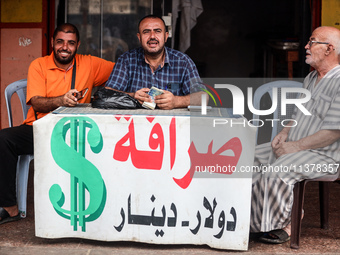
x=175 y=88
x=322 y=105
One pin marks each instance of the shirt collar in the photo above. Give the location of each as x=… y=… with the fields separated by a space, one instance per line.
x=166 y=59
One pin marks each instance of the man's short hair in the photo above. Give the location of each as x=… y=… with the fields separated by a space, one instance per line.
x=152 y=16
x=66 y=28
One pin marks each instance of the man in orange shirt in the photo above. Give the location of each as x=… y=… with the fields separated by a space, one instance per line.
x=49 y=85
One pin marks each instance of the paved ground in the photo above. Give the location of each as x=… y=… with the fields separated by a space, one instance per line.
x=18 y=237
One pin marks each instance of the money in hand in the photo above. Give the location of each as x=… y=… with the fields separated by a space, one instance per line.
x=152 y=93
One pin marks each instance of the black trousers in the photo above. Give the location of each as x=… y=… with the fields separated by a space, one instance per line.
x=14 y=141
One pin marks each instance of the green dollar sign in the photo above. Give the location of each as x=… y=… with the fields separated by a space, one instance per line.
x=84 y=175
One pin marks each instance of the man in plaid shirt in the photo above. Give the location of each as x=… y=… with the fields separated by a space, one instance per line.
x=153 y=64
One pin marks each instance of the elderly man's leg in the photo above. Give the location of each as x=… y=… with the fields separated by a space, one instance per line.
x=13 y=142
x=263 y=156
x=273 y=192
x=272 y=200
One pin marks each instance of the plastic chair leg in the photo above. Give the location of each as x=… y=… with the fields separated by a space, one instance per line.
x=324 y=203
x=22 y=180
x=299 y=190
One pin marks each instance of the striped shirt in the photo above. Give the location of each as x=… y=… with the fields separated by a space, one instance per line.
x=324 y=106
x=179 y=74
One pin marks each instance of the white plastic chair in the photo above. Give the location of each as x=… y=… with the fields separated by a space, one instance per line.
x=268 y=88
x=299 y=188
x=19 y=87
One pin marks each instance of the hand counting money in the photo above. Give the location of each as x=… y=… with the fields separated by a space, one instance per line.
x=152 y=93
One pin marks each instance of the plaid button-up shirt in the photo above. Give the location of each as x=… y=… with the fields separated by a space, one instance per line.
x=179 y=74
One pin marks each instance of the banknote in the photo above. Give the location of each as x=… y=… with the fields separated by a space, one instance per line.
x=152 y=92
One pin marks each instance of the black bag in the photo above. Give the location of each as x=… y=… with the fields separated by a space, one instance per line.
x=111 y=99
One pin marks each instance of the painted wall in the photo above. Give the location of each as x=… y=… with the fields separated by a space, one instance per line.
x=21 y=11
x=21 y=42
x=19 y=47
x=330 y=15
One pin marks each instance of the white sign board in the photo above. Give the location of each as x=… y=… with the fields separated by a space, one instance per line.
x=132 y=177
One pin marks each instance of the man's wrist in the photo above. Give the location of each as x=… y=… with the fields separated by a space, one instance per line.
x=176 y=102
x=181 y=101
x=299 y=145
x=60 y=101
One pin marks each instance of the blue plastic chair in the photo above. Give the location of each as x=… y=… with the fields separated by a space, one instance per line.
x=299 y=188
x=23 y=164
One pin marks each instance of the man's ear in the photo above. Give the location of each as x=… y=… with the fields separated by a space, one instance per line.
x=138 y=35
x=166 y=36
x=78 y=45
x=52 y=42
x=330 y=48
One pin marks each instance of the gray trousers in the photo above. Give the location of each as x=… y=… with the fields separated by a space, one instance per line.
x=273 y=184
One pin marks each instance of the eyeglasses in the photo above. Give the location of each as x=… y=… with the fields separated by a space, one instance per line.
x=310 y=43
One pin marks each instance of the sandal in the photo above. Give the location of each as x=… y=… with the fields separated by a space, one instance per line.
x=276 y=236
x=5 y=217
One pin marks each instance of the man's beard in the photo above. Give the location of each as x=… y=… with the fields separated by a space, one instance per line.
x=64 y=61
x=310 y=62
x=154 y=53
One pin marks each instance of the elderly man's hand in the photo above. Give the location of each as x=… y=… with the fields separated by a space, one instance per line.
x=278 y=139
x=285 y=148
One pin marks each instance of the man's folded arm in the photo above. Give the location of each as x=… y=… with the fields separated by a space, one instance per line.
x=320 y=139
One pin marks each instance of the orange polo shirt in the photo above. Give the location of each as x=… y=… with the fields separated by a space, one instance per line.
x=47 y=80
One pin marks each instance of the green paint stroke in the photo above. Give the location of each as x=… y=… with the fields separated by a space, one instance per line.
x=83 y=174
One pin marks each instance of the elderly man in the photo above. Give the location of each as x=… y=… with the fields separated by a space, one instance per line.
x=48 y=87
x=309 y=150
x=153 y=64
